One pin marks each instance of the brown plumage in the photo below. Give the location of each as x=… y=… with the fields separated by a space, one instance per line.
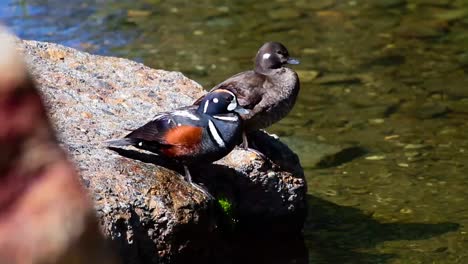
x=269 y=91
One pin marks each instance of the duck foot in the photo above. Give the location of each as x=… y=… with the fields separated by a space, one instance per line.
x=245 y=146
x=202 y=189
x=258 y=153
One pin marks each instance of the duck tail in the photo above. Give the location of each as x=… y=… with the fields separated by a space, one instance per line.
x=121 y=142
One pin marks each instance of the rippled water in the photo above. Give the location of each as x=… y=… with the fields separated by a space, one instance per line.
x=389 y=77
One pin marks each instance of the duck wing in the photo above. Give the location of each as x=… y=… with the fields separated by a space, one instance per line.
x=245 y=86
x=154 y=130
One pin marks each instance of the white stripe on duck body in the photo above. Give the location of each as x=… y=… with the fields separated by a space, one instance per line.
x=193 y=134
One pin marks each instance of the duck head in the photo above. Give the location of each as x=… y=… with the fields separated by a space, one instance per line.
x=271 y=56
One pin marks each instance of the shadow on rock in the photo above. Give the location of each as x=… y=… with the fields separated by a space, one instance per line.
x=275 y=150
x=258 y=204
x=256 y=228
x=264 y=197
x=336 y=234
x=173 y=222
x=149 y=158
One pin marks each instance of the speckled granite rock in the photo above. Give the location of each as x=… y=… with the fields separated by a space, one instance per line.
x=150 y=211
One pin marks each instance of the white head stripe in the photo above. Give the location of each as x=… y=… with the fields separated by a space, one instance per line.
x=205 y=107
x=231 y=93
x=266 y=56
x=214 y=132
x=186 y=114
x=226 y=118
x=158 y=116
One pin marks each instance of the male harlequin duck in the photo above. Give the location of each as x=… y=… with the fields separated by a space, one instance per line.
x=269 y=91
x=192 y=135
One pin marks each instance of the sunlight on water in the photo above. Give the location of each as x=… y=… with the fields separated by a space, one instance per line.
x=387 y=78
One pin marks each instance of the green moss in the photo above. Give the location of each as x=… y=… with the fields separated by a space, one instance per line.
x=228 y=219
x=226 y=205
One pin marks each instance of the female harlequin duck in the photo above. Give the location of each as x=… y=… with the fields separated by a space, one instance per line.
x=192 y=135
x=269 y=91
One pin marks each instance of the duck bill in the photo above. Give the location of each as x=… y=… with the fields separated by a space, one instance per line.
x=240 y=110
x=293 y=61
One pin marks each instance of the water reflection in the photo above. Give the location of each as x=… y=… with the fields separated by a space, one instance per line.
x=341 y=234
x=386 y=76
x=86 y=25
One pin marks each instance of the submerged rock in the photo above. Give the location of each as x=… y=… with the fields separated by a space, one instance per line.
x=332 y=79
x=148 y=210
x=323 y=155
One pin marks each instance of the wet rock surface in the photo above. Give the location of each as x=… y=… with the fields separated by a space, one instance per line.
x=149 y=211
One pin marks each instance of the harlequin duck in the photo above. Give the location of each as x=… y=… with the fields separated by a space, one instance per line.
x=269 y=91
x=191 y=135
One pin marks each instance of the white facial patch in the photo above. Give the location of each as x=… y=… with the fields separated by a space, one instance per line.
x=214 y=132
x=186 y=114
x=266 y=56
x=205 y=107
x=232 y=105
x=215 y=100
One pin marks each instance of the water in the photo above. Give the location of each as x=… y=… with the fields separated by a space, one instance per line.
x=392 y=79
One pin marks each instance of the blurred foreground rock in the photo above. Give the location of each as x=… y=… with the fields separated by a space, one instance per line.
x=148 y=210
x=45 y=214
